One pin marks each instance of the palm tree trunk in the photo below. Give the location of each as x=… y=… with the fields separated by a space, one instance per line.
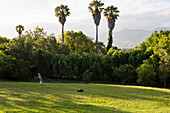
x=96 y=39
x=62 y=35
x=110 y=40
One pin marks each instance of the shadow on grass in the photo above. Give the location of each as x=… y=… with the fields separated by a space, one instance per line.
x=64 y=98
x=18 y=106
x=130 y=93
x=34 y=101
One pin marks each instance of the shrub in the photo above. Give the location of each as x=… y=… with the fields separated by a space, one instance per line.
x=93 y=63
x=6 y=65
x=87 y=76
x=146 y=75
x=124 y=74
x=60 y=66
x=42 y=61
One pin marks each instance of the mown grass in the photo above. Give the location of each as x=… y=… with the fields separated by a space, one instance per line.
x=97 y=98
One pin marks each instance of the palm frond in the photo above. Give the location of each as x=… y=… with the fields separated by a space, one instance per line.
x=95 y=5
x=62 y=9
x=91 y=10
x=111 y=11
x=101 y=9
x=105 y=14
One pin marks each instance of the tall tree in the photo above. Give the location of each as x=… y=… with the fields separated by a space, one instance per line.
x=78 y=42
x=96 y=8
x=62 y=12
x=164 y=65
x=3 y=42
x=111 y=14
x=19 y=29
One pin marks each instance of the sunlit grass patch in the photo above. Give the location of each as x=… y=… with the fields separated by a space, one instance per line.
x=96 y=98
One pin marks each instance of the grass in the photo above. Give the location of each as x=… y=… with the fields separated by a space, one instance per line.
x=98 y=98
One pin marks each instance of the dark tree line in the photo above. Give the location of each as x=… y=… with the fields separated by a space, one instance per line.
x=35 y=51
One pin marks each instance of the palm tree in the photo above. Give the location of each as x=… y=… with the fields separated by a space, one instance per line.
x=62 y=12
x=19 y=29
x=96 y=8
x=111 y=13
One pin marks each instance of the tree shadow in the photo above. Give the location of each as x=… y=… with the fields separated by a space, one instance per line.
x=65 y=104
x=130 y=93
x=64 y=98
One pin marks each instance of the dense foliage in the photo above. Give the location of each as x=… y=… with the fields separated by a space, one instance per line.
x=21 y=58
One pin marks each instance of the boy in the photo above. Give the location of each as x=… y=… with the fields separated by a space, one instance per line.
x=40 y=78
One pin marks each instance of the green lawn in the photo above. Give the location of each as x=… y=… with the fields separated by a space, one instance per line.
x=97 y=98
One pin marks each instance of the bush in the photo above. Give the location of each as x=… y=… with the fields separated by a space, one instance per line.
x=6 y=65
x=42 y=61
x=87 y=76
x=21 y=71
x=146 y=75
x=124 y=74
x=60 y=66
x=74 y=63
x=93 y=63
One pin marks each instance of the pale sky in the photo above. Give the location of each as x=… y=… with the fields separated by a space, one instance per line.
x=134 y=14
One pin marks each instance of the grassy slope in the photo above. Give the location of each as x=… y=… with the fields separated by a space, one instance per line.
x=97 y=98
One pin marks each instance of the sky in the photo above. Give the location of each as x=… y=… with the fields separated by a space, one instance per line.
x=134 y=14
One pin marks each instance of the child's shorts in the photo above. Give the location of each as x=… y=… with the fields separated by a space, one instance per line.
x=40 y=82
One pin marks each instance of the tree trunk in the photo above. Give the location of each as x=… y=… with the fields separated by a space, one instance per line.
x=165 y=82
x=111 y=25
x=164 y=77
x=62 y=36
x=96 y=39
x=164 y=73
x=110 y=41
